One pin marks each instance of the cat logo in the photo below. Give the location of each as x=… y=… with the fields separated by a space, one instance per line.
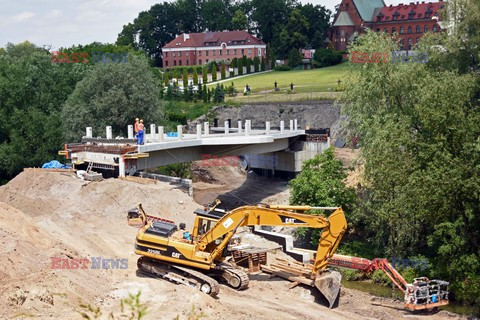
x=176 y=255
x=289 y=220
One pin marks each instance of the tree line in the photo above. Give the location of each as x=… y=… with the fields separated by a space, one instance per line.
x=282 y=24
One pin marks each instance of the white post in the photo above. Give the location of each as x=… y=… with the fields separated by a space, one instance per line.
x=282 y=126
x=160 y=133
x=206 y=128
x=226 y=127
x=121 y=167
x=328 y=142
x=267 y=127
x=109 y=132
x=247 y=127
x=295 y=124
x=130 y=131
x=89 y=132
x=153 y=132
x=291 y=125
x=180 y=132
x=239 y=126
x=199 y=131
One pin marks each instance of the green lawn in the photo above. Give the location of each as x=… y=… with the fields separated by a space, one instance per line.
x=305 y=81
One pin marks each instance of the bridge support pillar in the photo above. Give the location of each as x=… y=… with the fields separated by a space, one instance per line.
x=199 y=131
x=160 y=133
x=206 y=128
x=226 y=127
x=295 y=124
x=282 y=126
x=153 y=132
x=130 y=131
x=267 y=127
x=291 y=125
x=121 y=167
x=109 y=132
x=248 y=127
x=239 y=126
x=89 y=132
x=180 y=132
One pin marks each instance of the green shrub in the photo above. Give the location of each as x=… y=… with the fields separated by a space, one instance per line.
x=326 y=57
x=282 y=67
x=378 y=276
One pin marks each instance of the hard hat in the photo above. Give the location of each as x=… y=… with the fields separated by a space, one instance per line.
x=141 y=120
x=136 y=119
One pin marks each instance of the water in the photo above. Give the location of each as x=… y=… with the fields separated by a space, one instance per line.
x=386 y=292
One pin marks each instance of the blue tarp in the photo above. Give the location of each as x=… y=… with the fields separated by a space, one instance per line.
x=172 y=134
x=54 y=164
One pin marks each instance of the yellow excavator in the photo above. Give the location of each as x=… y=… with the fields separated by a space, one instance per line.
x=199 y=259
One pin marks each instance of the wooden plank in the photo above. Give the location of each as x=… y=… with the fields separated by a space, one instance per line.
x=138 y=180
x=49 y=170
x=289 y=276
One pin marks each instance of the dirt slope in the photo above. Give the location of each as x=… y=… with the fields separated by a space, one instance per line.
x=45 y=215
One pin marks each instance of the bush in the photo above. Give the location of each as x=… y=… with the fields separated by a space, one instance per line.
x=282 y=67
x=294 y=58
x=326 y=57
x=378 y=276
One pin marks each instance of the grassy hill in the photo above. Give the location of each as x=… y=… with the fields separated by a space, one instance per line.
x=308 y=84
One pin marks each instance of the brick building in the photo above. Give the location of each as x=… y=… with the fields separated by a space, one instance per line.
x=407 y=21
x=200 y=48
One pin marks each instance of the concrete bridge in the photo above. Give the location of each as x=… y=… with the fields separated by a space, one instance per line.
x=290 y=146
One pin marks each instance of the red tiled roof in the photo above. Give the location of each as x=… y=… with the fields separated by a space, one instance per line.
x=213 y=39
x=403 y=11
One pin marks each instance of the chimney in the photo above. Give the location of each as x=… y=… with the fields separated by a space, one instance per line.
x=186 y=36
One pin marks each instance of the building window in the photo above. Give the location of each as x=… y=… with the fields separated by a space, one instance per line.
x=166 y=63
x=249 y=51
x=259 y=52
x=425 y=29
x=228 y=52
x=409 y=29
x=234 y=51
x=394 y=30
x=174 y=54
x=220 y=52
x=179 y=53
x=434 y=29
x=199 y=53
x=385 y=30
x=186 y=53
x=243 y=51
x=409 y=44
x=214 y=52
x=417 y=29
x=200 y=61
x=166 y=54
x=206 y=61
x=402 y=43
x=401 y=30
x=179 y=62
x=174 y=62
x=206 y=53
x=187 y=62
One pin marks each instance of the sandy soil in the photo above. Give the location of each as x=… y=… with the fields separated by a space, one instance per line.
x=45 y=215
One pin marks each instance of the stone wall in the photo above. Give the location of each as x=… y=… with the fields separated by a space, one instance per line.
x=315 y=114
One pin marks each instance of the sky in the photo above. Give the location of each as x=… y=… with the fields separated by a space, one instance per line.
x=65 y=23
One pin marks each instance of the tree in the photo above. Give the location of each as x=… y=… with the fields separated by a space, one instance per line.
x=294 y=58
x=298 y=28
x=175 y=74
x=256 y=64
x=318 y=40
x=214 y=71
x=216 y=15
x=195 y=76
x=318 y=18
x=112 y=95
x=263 y=64
x=223 y=72
x=204 y=74
x=418 y=125
x=167 y=80
x=249 y=65
x=268 y=14
x=240 y=66
x=205 y=94
x=185 y=78
x=321 y=184
x=239 y=20
x=218 y=94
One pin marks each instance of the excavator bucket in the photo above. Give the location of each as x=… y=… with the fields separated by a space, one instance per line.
x=328 y=284
x=135 y=219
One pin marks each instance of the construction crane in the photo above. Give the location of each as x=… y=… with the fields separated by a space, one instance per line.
x=201 y=261
x=420 y=295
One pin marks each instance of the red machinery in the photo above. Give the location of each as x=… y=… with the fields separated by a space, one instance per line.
x=419 y=295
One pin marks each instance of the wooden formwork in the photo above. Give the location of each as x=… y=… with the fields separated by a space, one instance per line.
x=252 y=259
x=291 y=270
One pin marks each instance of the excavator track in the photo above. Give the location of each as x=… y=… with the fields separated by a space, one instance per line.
x=178 y=274
x=235 y=278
